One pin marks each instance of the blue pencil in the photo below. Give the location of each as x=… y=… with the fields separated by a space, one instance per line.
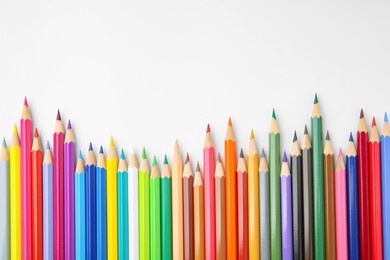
x=101 y=207
x=385 y=175
x=90 y=175
x=123 y=236
x=47 y=179
x=80 y=244
x=352 y=200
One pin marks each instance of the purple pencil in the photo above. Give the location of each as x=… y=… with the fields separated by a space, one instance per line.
x=285 y=197
x=69 y=168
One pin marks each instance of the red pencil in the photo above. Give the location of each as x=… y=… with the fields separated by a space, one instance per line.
x=363 y=187
x=375 y=193
x=58 y=189
x=242 y=207
x=36 y=205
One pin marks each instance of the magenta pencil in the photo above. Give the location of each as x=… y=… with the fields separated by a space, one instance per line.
x=25 y=159
x=58 y=189
x=69 y=169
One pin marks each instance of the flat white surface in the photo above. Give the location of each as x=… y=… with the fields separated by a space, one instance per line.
x=148 y=72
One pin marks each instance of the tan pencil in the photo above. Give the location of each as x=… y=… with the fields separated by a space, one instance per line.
x=220 y=210
x=199 y=237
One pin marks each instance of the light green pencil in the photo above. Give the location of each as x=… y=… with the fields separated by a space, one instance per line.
x=144 y=213
x=155 y=212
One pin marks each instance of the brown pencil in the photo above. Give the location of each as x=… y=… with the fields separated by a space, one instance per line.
x=199 y=215
x=220 y=210
x=188 y=210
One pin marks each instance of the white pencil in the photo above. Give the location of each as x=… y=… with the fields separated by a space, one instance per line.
x=4 y=202
x=133 y=206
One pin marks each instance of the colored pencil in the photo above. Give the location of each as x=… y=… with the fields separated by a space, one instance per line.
x=25 y=171
x=341 y=208
x=318 y=181
x=101 y=207
x=90 y=195
x=123 y=229
x=330 y=233
x=15 y=200
x=274 y=171
x=264 y=208
x=307 y=179
x=177 y=204
x=112 y=208
x=199 y=230
x=155 y=212
x=375 y=193
x=253 y=199
x=297 y=197
x=231 y=193
x=80 y=242
x=242 y=207
x=286 y=210
x=220 y=211
x=69 y=200
x=385 y=168
x=188 y=209
x=209 y=195
x=144 y=213
x=166 y=212
x=58 y=188
x=4 y=202
x=47 y=175
x=133 y=206
x=363 y=185
x=36 y=197
x=352 y=200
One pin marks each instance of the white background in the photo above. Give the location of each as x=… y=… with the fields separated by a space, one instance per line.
x=148 y=72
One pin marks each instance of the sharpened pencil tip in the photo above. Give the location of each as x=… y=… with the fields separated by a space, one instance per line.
x=154 y=161
x=230 y=122
x=305 y=131
x=47 y=145
x=350 y=137
x=373 y=122
x=197 y=167
x=284 y=156
x=262 y=153
x=361 y=113
x=273 y=113
x=80 y=155
x=340 y=153
x=385 y=119
x=15 y=129
x=143 y=153
x=252 y=135
x=241 y=153
x=187 y=158
x=111 y=141
x=122 y=154
x=36 y=133
x=327 y=135
x=69 y=125
x=315 y=99
x=208 y=128
x=25 y=102
x=295 y=136
x=165 y=159
x=90 y=148
x=219 y=158
x=101 y=149
x=58 y=115
x=4 y=143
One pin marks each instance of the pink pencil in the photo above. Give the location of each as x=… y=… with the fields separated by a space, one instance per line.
x=25 y=163
x=341 y=208
x=58 y=189
x=209 y=201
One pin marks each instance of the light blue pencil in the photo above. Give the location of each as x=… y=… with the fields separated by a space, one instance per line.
x=101 y=209
x=4 y=202
x=47 y=179
x=385 y=167
x=80 y=209
x=123 y=236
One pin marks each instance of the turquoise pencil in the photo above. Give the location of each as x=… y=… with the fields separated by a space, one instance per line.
x=123 y=236
x=80 y=244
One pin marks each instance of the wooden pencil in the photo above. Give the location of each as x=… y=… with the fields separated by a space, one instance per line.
x=274 y=180
x=155 y=212
x=177 y=204
x=15 y=200
x=144 y=212
x=166 y=211
x=363 y=185
x=374 y=163
x=47 y=175
x=209 y=194
x=25 y=171
x=133 y=206
x=69 y=200
x=112 y=209
x=58 y=188
x=318 y=181
x=199 y=227
x=80 y=234
x=4 y=202
x=253 y=199
x=231 y=193
x=385 y=168
x=220 y=211
x=123 y=236
x=341 y=208
x=90 y=200
x=36 y=197
x=297 y=198
x=242 y=208
x=188 y=209
x=264 y=208
x=330 y=232
x=286 y=210
x=352 y=200
x=101 y=207
x=307 y=191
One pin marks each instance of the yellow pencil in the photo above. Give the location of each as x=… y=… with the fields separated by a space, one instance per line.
x=15 y=214
x=112 y=215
